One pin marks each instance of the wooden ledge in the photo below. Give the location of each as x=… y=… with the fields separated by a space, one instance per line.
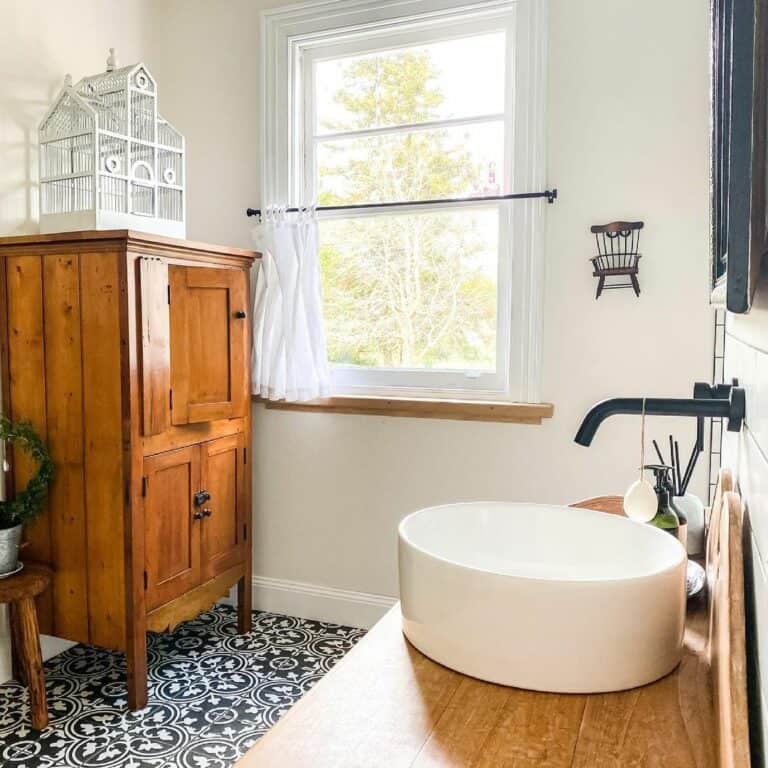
x=422 y=408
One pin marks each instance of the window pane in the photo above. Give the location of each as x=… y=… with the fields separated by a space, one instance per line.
x=416 y=290
x=418 y=165
x=453 y=78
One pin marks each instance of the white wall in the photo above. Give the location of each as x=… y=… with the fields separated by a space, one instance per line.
x=628 y=138
x=40 y=41
x=746 y=357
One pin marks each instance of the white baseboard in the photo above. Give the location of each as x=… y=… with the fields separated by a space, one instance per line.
x=312 y=601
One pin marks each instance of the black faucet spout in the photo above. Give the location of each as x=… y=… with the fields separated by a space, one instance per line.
x=713 y=405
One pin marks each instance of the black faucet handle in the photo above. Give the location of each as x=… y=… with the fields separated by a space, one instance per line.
x=738 y=409
x=705 y=391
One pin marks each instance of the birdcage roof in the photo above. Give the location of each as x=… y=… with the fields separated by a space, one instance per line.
x=101 y=97
x=114 y=80
x=67 y=102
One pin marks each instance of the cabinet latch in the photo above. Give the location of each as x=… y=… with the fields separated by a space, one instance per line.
x=144 y=484
x=146 y=581
x=201 y=497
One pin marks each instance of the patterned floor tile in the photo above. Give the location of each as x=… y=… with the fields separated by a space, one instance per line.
x=212 y=694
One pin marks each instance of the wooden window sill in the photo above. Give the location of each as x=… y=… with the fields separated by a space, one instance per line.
x=462 y=410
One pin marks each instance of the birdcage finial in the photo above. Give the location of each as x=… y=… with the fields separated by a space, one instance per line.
x=111 y=60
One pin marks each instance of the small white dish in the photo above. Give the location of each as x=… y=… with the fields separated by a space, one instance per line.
x=694 y=578
x=13 y=572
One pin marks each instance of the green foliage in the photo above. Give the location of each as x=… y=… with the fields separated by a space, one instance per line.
x=391 y=90
x=27 y=503
x=402 y=290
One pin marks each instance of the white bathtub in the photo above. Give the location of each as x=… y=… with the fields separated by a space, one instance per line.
x=542 y=597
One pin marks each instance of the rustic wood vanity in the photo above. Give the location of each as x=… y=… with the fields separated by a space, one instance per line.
x=386 y=705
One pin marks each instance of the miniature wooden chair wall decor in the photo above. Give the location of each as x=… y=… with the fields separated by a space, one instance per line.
x=617 y=254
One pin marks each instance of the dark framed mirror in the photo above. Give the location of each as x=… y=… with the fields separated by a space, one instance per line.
x=739 y=152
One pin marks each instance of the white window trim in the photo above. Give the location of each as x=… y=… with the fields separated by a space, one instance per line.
x=288 y=31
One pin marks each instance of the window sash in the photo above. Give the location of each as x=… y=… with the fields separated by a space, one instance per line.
x=307 y=139
x=456 y=383
x=315 y=142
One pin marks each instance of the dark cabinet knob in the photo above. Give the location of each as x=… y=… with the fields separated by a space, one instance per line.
x=201 y=497
x=240 y=314
x=197 y=515
x=207 y=512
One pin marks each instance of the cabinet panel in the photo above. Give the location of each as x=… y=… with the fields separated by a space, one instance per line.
x=172 y=530
x=26 y=395
x=223 y=532
x=155 y=345
x=209 y=343
x=103 y=443
x=64 y=413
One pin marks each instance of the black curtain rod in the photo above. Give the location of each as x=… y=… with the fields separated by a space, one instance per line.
x=550 y=194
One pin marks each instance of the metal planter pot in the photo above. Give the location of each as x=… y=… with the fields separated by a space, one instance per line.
x=10 y=538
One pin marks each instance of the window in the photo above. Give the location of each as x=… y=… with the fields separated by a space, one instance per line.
x=422 y=300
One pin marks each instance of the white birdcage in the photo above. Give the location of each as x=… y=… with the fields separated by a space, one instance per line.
x=108 y=160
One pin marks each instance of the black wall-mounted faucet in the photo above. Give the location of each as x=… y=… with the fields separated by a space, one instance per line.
x=725 y=401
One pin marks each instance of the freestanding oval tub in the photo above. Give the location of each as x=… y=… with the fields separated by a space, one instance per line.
x=543 y=597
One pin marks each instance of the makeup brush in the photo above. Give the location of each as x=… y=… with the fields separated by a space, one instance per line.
x=689 y=469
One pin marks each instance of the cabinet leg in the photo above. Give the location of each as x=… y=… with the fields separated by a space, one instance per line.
x=136 y=663
x=31 y=660
x=244 y=599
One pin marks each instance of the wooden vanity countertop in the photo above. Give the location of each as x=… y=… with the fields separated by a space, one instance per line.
x=386 y=705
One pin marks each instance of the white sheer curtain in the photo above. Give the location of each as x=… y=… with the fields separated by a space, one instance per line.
x=290 y=361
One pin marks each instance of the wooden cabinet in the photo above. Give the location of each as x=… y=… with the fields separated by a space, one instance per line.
x=129 y=353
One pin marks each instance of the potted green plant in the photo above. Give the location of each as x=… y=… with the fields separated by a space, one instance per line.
x=27 y=503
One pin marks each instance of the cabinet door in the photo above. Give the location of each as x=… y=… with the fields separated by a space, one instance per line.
x=224 y=529
x=171 y=524
x=209 y=343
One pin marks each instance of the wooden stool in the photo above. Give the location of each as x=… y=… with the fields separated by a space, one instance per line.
x=19 y=592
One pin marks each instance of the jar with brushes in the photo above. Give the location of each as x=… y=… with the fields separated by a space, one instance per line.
x=686 y=504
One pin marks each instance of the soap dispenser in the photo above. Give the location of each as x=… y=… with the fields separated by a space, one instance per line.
x=665 y=517
x=682 y=520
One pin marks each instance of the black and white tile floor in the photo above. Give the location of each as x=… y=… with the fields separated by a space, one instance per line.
x=212 y=694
